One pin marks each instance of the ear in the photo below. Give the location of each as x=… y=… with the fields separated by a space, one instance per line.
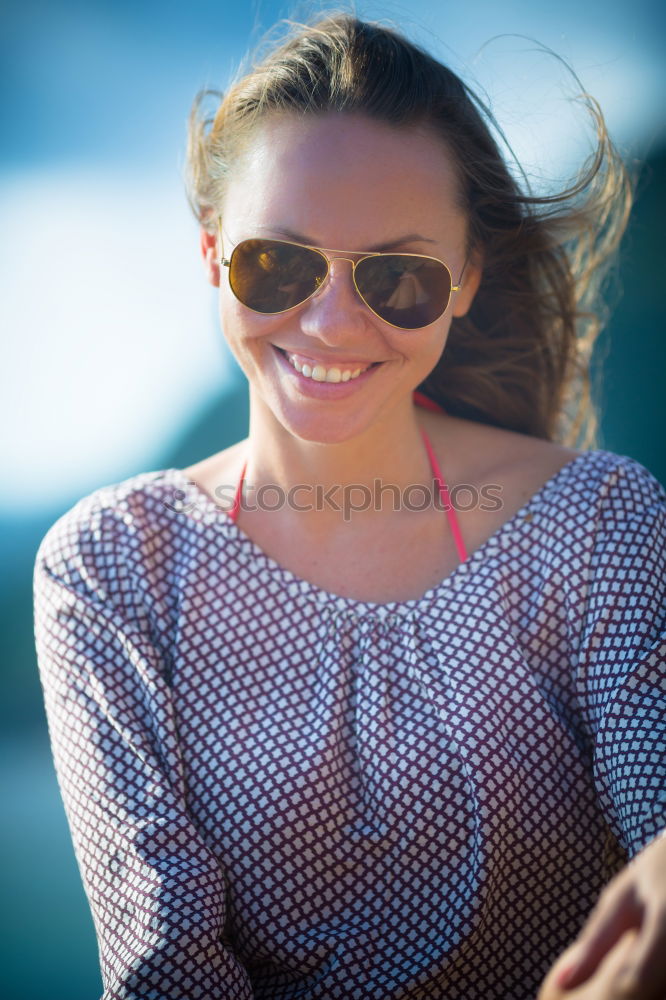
x=469 y=284
x=211 y=253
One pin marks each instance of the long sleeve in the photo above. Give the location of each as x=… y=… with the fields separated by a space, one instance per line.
x=621 y=661
x=156 y=891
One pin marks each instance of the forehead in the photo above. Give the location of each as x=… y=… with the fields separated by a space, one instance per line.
x=342 y=177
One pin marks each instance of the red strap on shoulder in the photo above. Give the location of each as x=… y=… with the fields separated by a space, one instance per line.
x=233 y=513
x=426 y=402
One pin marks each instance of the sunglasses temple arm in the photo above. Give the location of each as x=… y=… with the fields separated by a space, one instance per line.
x=458 y=284
x=223 y=260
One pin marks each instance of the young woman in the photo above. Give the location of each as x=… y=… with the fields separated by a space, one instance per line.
x=387 y=724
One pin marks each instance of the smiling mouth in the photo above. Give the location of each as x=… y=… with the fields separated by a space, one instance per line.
x=325 y=373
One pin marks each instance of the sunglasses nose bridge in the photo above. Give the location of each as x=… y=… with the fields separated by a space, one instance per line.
x=351 y=260
x=330 y=271
x=340 y=257
x=336 y=280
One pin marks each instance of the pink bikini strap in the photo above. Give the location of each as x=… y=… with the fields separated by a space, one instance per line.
x=443 y=492
x=446 y=500
x=428 y=404
x=233 y=513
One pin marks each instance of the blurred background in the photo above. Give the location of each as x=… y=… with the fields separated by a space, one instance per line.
x=114 y=362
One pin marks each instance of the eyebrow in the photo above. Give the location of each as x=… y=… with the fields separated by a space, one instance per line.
x=379 y=248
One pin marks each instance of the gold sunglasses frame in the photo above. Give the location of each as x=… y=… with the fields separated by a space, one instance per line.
x=322 y=251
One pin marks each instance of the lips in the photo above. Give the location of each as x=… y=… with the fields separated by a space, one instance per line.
x=325 y=370
x=326 y=380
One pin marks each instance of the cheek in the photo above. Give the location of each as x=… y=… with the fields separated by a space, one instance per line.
x=432 y=352
x=230 y=308
x=232 y=315
x=243 y=329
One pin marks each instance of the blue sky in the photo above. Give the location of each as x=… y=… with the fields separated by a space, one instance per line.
x=110 y=336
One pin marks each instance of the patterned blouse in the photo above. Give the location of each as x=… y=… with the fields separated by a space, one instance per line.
x=275 y=792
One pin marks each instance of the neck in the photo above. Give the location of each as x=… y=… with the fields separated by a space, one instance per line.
x=389 y=455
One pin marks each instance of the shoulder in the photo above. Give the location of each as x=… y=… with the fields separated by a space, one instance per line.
x=475 y=453
x=113 y=528
x=568 y=492
x=479 y=461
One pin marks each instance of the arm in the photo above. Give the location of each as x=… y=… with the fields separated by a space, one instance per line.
x=621 y=685
x=156 y=892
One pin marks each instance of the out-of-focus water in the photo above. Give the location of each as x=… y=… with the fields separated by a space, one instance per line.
x=49 y=951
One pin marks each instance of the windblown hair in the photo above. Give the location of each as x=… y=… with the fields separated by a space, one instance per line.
x=520 y=359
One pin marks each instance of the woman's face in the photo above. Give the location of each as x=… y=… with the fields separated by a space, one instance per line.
x=343 y=182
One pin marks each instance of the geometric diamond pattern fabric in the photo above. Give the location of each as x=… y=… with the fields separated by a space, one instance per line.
x=276 y=792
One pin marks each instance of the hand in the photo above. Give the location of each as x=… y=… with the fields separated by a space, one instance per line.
x=622 y=947
x=604 y=981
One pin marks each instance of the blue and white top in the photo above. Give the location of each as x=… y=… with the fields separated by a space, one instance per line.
x=276 y=792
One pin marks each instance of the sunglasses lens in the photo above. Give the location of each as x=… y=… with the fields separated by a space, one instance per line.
x=269 y=276
x=407 y=291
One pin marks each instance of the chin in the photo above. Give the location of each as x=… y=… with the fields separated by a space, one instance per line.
x=322 y=432
x=319 y=427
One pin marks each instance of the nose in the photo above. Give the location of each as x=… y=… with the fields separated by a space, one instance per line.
x=336 y=311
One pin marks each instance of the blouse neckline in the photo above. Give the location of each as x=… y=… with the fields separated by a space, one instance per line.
x=451 y=581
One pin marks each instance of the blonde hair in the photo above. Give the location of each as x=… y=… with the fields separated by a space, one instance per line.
x=520 y=358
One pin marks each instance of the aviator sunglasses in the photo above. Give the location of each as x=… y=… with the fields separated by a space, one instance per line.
x=406 y=290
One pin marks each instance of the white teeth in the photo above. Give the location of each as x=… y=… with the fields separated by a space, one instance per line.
x=321 y=374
